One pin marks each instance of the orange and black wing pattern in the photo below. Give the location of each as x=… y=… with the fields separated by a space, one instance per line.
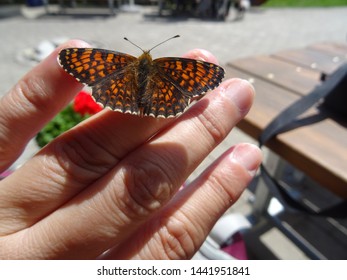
x=117 y=93
x=90 y=66
x=175 y=81
x=192 y=77
x=163 y=99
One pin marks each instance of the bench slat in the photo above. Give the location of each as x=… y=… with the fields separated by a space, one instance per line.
x=312 y=59
x=286 y=75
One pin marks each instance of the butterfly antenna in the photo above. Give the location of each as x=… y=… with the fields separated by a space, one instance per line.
x=176 y=36
x=126 y=39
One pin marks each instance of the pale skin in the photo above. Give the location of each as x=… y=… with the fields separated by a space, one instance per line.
x=112 y=183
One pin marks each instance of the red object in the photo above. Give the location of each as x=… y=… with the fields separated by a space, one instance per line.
x=238 y=247
x=84 y=104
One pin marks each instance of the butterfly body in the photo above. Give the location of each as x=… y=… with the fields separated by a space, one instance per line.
x=161 y=87
x=144 y=69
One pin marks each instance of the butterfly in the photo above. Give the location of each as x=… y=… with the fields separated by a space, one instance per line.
x=161 y=88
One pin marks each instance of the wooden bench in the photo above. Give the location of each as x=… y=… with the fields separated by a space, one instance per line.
x=319 y=149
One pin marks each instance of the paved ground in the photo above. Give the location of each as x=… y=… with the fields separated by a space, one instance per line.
x=262 y=31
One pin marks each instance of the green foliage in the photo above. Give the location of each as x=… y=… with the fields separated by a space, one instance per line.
x=305 y=3
x=65 y=120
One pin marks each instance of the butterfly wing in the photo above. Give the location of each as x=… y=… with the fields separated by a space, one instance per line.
x=191 y=77
x=90 y=66
x=106 y=72
x=175 y=81
x=163 y=99
x=117 y=93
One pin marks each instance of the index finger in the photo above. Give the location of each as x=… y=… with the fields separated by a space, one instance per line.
x=32 y=102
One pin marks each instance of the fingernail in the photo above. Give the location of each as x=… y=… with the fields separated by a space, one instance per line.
x=241 y=92
x=248 y=156
x=201 y=54
x=76 y=43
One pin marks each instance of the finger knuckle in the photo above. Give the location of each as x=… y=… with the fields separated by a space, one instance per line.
x=81 y=158
x=29 y=95
x=148 y=186
x=213 y=126
x=176 y=240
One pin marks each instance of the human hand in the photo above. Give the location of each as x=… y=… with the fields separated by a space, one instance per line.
x=111 y=183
